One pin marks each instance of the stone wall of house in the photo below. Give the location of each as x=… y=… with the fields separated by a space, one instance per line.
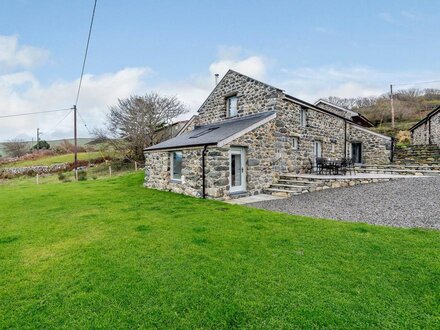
x=259 y=154
x=158 y=172
x=260 y=157
x=320 y=126
x=420 y=135
x=252 y=97
x=435 y=129
x=376 y=149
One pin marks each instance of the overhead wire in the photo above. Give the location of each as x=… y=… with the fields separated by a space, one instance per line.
x=417 y=83
x=85 y=54
x=35 y=113
x=58 y=124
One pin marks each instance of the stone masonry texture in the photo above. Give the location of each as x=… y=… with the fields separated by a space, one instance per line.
x=268 y=148
x=420 y=135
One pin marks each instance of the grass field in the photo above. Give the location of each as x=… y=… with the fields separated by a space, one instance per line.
x=111 y=254
x=50 y=160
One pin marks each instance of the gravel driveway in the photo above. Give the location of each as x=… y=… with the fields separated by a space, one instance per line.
x=412 y=202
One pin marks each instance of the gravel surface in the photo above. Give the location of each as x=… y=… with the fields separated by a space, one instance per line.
x=412 y=202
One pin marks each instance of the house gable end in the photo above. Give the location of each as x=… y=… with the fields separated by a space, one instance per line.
x=252 y=95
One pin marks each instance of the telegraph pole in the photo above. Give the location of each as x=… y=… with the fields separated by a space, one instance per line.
x=75 y=137
x=392 y=106
x=38 y=139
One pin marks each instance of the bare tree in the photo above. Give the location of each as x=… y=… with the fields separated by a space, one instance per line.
x=133 y=123
x=16 y=147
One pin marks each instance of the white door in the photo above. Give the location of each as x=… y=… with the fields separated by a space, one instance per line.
x=317 y=151
x=237 y=178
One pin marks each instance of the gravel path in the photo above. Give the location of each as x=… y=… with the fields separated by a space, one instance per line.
x=412 y=202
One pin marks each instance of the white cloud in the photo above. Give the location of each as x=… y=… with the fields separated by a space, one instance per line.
x=323 y=30
x=12 y=55
x=22 y=93
x=233 y=58
x=409 y=15
x=387 y=17
x=311 y=84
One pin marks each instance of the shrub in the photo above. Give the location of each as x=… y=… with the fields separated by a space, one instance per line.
x=82 y=175
x=61 y=176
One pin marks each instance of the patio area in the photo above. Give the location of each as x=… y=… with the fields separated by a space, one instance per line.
x=357 y=176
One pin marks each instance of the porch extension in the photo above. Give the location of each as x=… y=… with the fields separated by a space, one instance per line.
x=297 y=184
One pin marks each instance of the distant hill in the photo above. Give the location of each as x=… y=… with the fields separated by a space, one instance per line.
x=410 y=106
x=53 y=143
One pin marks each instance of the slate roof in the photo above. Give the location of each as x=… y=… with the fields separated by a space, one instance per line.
x=424 y=120
x=215 y=133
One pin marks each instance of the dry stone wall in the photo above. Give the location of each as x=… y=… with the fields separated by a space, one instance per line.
x=33 y=170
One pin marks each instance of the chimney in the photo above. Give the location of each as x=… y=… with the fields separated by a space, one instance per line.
x=216 y=78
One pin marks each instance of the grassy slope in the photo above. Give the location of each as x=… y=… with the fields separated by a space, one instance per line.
x=112 y=254
x=67 y=158
x=53 y=143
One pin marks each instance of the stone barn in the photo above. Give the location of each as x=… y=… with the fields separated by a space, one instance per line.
x=247 y=133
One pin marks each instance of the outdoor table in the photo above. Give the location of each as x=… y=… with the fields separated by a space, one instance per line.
x=333 y=165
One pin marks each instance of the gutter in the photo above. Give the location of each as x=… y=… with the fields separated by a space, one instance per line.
x=345 y=138
x=203 y=172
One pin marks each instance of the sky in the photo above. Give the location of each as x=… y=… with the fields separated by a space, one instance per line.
x=311 y=49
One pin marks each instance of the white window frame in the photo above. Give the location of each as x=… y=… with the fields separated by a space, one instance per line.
x=295 y=143
x=303 y=117
x=228 y=109
x=172 y=166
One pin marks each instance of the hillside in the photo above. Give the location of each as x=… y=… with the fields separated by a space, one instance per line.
x=53 y=143
x=410 y=106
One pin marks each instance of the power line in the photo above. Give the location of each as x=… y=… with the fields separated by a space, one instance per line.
x=85 y=54
x=85 y=125
x=56 y=126
x=418 y=83
x=34 y=113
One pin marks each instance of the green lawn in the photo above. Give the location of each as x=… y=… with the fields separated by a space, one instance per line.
x=67 y=158
x=111 y=254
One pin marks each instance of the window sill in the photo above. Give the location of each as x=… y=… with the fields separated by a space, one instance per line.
x=176 y=181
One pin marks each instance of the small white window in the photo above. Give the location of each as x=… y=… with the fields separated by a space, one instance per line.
x=231 y=106
x=303 y=117
x=295 y=143
x=176 y=165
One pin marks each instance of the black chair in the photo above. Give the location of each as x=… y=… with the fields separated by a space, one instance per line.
x=321 y=165
x=312 y=166
x=347 y=165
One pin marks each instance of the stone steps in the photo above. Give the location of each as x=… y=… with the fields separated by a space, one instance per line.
x=291 y=185
x=280 y=192
x=417 y=154
x=399 y=171
x=294 y=184
x=402 y=167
